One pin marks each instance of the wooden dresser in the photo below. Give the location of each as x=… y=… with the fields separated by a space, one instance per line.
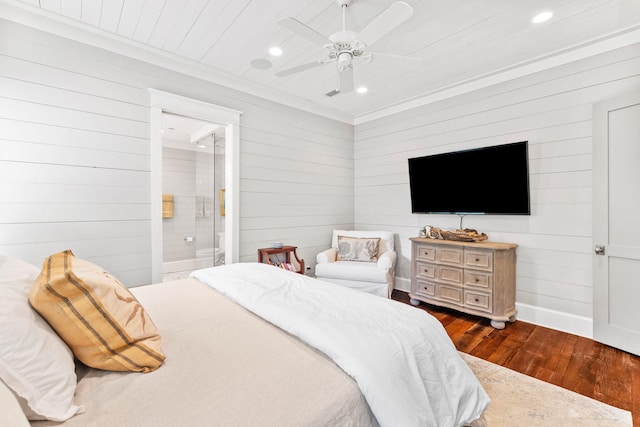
x=475 y=278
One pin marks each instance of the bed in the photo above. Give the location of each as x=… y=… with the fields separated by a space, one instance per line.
x=252 y=345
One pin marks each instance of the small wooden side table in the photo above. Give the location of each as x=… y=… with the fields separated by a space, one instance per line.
x=264 y=256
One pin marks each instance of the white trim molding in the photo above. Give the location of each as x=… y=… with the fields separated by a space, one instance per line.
x=171 y=103
x=570 y=323
x=41 y=19
x=565 y=322
x=617 y=40
x=35 y=17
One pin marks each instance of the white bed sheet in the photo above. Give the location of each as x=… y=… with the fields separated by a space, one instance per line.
x=402 y=358
x=225 y=367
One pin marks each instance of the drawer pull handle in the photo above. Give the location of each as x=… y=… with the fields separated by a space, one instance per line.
x=477 y=259
x=477 y=280
x=477 y=300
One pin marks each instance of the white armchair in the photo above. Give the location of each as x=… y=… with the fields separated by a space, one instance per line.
x=366 y=268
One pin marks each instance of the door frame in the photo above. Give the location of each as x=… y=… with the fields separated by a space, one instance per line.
x=165 y=102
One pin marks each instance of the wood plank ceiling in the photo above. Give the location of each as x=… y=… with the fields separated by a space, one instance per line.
x=457 y=40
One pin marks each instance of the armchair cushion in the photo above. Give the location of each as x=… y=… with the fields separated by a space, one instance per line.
x=352 y=270
x=387 y=260
x=358 y=248
x=328 y=255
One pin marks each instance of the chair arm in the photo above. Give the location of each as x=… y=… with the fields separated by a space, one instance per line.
x=387 y=260
x=327 y=256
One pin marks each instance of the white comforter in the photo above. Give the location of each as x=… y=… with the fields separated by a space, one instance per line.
x=401 y=357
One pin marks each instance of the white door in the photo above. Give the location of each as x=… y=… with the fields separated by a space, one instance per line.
x=616 y=219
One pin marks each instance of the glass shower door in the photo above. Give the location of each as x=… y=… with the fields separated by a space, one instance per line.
x=193 y=177
x=210 y=238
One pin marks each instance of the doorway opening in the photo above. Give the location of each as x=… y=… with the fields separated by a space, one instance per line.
x=193 y=213
x=216 y=206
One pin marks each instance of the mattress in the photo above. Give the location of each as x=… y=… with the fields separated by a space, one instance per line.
x=224 y=367
x=402 y=358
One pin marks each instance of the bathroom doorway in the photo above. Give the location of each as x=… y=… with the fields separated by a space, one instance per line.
x=161 y=102
x=193 y=188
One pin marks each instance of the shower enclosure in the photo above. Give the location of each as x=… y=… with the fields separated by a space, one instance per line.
x=193 y=195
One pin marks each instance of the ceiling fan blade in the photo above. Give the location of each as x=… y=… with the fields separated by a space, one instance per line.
x=391 y=55
x=345 y=80
x=389 y=19
x=304 y=31
x=302 y=67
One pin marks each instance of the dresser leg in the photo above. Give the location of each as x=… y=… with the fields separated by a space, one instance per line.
x=497 y=324
x=414 y=302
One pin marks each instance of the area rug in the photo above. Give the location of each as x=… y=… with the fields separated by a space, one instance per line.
x=520 y=400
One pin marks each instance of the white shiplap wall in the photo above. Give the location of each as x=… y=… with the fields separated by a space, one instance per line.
x=74 y=158
x=550 y=109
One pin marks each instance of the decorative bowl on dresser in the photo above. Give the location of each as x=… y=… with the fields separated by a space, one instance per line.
x=477 y=278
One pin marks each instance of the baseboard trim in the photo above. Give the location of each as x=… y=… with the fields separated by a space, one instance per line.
x=402 y=284
x=565 y=322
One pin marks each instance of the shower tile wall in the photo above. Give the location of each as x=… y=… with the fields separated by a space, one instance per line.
x=178 y=179
x=194 y=180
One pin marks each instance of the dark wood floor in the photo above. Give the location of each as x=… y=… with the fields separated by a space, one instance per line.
x=569 y=361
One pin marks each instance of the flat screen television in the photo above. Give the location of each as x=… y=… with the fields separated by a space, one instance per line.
x=489 y=180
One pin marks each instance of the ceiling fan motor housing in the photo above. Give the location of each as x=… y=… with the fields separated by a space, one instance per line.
x=344 y=47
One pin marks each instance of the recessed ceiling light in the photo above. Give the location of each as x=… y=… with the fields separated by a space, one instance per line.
x=275 y=51
x=541 y=17
x=362 y=89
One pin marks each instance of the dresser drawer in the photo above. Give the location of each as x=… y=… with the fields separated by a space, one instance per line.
x=426 y=270
x=451 y=294
x=478 y=280
x=426 y=253
x=472 y=277
x=449 y=275
x=478 y=300
x=479 y=260
x=424 y=288
x=450 y=256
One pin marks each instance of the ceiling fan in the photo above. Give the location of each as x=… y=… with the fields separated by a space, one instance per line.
x=346 y=47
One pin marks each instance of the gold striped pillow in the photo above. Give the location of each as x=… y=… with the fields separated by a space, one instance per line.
x=100 y=320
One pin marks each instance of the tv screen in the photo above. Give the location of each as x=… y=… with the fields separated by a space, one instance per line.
x=489 y=180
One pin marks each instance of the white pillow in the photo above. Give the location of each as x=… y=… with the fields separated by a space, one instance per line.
x=10 y=412
x=387 y=242
x=34 y=362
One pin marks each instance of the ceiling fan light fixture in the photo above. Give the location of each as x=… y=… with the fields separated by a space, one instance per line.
x=542 y=17
x=344 y=61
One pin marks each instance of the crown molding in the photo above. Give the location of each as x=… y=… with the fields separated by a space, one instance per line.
x=616 y=40
x=62 y=26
